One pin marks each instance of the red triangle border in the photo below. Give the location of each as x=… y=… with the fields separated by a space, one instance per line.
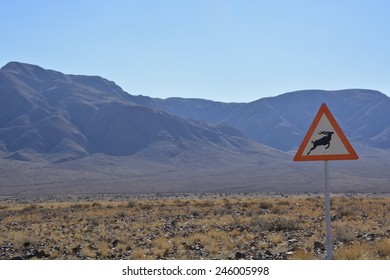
x=299 y=156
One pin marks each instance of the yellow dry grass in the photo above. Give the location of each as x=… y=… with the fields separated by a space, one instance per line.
x=196 y=228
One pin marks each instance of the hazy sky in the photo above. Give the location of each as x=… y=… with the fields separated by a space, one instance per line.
x=221 y=50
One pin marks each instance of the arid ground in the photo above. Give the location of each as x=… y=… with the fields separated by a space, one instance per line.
x=195 y=227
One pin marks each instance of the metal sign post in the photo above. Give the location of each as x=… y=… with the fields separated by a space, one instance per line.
x=327 y=210
x=325 y=141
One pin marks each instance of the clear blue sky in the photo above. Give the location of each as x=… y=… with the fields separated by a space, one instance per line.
x=232 y=51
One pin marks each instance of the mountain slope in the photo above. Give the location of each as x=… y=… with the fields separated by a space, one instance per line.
x=62 y=117
x=282 y=121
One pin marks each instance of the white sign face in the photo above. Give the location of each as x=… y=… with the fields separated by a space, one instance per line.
x=325 y=140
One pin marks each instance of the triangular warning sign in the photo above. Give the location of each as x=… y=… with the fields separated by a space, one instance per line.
x=325 y=140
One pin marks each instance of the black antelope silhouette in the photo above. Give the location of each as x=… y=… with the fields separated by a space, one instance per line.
x=324 y=141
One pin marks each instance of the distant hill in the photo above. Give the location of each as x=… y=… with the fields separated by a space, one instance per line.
x=282 y=121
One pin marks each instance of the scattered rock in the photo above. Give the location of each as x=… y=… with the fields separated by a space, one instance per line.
x=268 y=253
x=370 y=236
x=280 y=256
x=336 y=217
x=77 y=249
x=318 y=246
x=41 y=254
x=239 y=256
x=115 y=243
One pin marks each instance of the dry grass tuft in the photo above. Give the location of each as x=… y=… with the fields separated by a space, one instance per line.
x=355 y=251
x=384 y=248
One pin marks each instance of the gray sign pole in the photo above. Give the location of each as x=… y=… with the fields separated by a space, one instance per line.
x=327 y=210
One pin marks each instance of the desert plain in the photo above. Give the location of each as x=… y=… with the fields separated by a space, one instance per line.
x=204 y=226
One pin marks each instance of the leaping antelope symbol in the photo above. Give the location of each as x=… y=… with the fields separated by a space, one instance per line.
x=324 y=141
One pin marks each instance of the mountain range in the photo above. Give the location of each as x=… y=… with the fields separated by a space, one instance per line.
x=364 y=115
x=90 y=129
x=65 y=117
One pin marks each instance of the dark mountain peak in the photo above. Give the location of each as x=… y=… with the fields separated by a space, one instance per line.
x=32 y=71
x=15 y=66
x=54 y=84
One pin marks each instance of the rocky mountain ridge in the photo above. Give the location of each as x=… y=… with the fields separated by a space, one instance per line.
x=70 y=116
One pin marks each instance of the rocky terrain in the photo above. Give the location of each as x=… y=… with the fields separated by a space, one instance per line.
x=194 y=227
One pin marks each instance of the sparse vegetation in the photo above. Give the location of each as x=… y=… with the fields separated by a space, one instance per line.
x=233 y=227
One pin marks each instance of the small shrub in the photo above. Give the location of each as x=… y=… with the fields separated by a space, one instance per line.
x=355 y=251
x=383 y=247
x=205 y=204
x=342 y=233
x=87 y=252
x=227 y=204
x=265 y=205
x=138 y=254
x=347 y=211
x=94 y=221
x=302 y=255
x=30 y=208
x=145 y=206
x=79 y=206
x=162 y=242
x=96 y=204
x=276 y=239
x=283 y=202
x=278 y=224
x=131 y=204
